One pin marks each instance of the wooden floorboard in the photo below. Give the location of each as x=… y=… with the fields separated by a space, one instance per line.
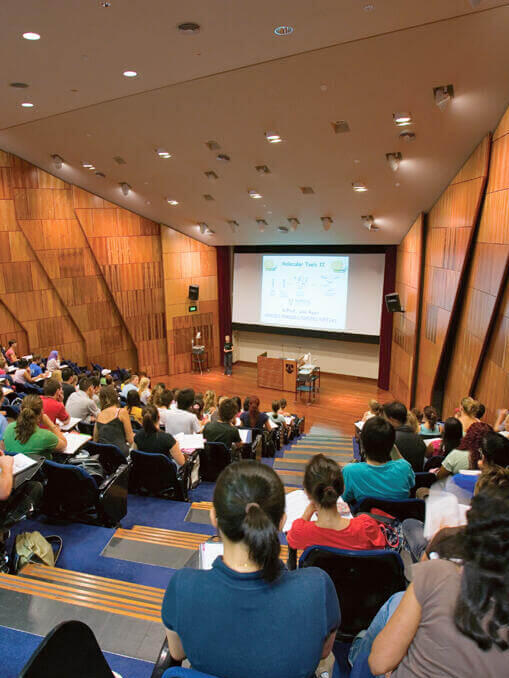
x=341 y=402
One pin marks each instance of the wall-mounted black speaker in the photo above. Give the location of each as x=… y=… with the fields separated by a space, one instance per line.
x=194 y=292
x=393 y=303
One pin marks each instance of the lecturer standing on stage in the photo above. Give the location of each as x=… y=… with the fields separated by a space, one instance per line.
x=228 y=356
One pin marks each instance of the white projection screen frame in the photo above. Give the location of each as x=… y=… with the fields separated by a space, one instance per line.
x=326 y=294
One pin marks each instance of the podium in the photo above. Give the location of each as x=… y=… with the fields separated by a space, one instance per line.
x=277 y=373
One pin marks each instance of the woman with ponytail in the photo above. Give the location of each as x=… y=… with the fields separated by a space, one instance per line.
x=249 y=616
x=151 y=439
x=323 y=484
x=430 y=426
x=26 y=435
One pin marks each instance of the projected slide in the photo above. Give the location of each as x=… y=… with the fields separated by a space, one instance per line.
x=308 y=292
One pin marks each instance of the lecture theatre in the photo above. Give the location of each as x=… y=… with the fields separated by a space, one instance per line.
x=254 y=339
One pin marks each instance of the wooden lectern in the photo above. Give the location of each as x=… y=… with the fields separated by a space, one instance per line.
x=277 y=373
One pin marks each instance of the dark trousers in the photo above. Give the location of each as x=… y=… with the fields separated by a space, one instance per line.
x=228 y=362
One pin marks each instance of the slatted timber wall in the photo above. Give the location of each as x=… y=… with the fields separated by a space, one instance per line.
x=490 y=257
x=449 y=237
x=189 y=262
x=127 y=248
x=63 y=251
x=25 y=289
x=404 y=331
x=11 y=329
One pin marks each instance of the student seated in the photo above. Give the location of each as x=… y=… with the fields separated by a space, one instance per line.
x=151 y=439
x=134 y=405
x=130 y=385
x=378 y=476
x=113 y=425
x=52 y=402
x=144 y=390
x=467 y=413
x=323 y=484
x=27 y=435
x=209 y=404
x=450 y=441
x=452 y=620
x=409 y=444
x=81 y=404
x=53 y=362
x=222 y=430
x=10 y=354
x=467 y=455
x=255 y=617
x=430 y=425
x=275 y=416
x=22 y=374
x=374 y=410
x=3 y=421
x=35 y=366
x=182 y=420
x=253 y=418
x=68 y=383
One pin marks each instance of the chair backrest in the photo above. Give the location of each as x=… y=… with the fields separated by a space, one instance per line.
x=400 y=509
x=364 y=580
x=213 y=459
x=423 y=479
x=154 y=474
x=69 y=489
x=70 y=649
x=84 y=427
x=179 y=672
x=109 y=455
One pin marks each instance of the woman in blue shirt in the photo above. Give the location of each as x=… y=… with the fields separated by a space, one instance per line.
x=248 y=615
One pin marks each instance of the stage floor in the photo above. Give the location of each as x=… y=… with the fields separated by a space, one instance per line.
x=341 y=402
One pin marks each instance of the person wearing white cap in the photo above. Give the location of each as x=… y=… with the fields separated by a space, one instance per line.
x=104 y=374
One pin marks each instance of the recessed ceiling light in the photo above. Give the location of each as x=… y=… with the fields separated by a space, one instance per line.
x=359 y=187
x=255 y=194
x=369 y=7
x=294 y=222
x=125 y=188
x=326 y=223
x=203 y=227
x=369 y=222
x=282 y=229
x=148 y=202
x=406 y=135
x=234 y=225
x=100 y=174
x=211 y=175
x=340 y=126
x=86 y=165
x=402 y=119
x=58 y=161
x=31 y=36
x=443 y=95
x=273 y=137
x=393 y=160
x=213 y=145
x=283 y=30
x=129 y=74
x=189 y=27
x=162 y=153
x=261 y=224
x=262 y=169
x=223 y=157
x=27 y=104
x=19 y=85
x=172 y=202
x=307 y=190
x=207 y=196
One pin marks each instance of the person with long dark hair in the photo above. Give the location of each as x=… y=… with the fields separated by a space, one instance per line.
x=27 y=435
x=151 y=439
x=430 y=425
x=468 y=452
x=452 y=620
x=253 y=418
x=249 y=616
x=451 y=439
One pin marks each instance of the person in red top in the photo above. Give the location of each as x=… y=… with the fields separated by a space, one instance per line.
x=52 y=402
x=323 y=484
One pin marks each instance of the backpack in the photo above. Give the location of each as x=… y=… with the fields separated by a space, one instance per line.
x=32 y=547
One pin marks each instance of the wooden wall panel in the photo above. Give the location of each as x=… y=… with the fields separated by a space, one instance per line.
x=25 y=289
x=127 y=248
x=55 y=236
x=404 y=332
x=11 y=329
x=189 y=262
x=449 y=234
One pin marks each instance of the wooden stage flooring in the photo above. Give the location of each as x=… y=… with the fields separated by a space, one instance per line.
x=341 y=402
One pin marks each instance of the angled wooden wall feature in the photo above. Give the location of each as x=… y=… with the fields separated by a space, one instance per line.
x=127 y=248
x=11 y=329
x=25 y=289
x=189 y=262
x=487 y=274
x=404 y=331
x=449 y=234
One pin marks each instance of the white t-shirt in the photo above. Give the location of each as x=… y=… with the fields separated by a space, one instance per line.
x=180 y=421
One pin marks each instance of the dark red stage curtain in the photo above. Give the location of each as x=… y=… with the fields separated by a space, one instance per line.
x=384 y=367
x=223 y=255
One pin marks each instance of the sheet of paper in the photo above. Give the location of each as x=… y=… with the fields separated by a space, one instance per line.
x=72 y=423
x=190 y=441
x=288 y=420
x=21 y=462
x=6 y=390
x=272 y=424
x=28 y=357
x=75 y=441
x=208 y=552
x=296 y=504
x=442 y=510
x=246 y=435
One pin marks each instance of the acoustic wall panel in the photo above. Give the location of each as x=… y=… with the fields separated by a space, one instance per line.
x=10 y=329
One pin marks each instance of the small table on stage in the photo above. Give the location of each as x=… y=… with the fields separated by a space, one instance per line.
x=199 y=359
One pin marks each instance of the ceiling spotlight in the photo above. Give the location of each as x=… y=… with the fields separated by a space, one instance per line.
x=129 y=74
x=19 y=85
x=401 y=119
x=443 y=95
x=212 y=145
x=407 y=135
x=162 y=153
x=203 y=227
x=125 y=188
x=172 y=202
x=326 y=223
x=283 y=30
x=393 y=159
x=189 y=27
x=31 y=36
x=105 y=3
x=100 y=174
x=282 y=229
x=368 y=222
x=294 y=222
x=57 y=161
x=261 y=224
x=262 y=169
x=211 y=175
x=255 y=194
x=273 y=137
x=223 y=157
x=27 y=104
x=87 y=165
x=234 y=225
x=359 y=187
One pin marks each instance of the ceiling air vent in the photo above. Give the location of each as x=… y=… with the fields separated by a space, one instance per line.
x=340 y=126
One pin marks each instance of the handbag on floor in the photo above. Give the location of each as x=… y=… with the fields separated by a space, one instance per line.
x=32 y=547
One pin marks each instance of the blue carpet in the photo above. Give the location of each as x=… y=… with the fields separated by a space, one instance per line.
x=16 y=648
